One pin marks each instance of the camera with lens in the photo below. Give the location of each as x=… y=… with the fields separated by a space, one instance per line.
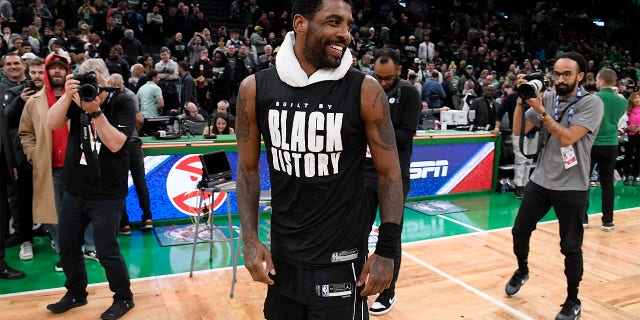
x=89 y=87
x=535 y=83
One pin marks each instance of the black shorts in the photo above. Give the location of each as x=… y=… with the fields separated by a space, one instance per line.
x=316 y=293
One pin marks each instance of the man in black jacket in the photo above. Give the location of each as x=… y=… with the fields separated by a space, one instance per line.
x=12 y=99
x=404 y=107
x=8 y=172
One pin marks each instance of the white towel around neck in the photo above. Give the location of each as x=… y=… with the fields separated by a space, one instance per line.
x=290 y=71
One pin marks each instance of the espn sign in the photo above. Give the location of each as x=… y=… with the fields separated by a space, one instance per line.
x=421 y=169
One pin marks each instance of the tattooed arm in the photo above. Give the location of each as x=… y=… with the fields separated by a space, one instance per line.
x=382 y=143
x=248 y=182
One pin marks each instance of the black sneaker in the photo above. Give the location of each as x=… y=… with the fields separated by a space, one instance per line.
x=66 y=303
x=91 y=254
x=607 y=226
x=117 y=309
x=383 y=304
x=516 y=282
x=570 y=310
x=147 y=225
x=125 y=230
x=519 y=192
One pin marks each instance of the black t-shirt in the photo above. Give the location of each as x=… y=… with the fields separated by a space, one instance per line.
x=103 y=178
x=315 y=144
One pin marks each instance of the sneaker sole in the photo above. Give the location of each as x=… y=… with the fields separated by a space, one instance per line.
x=26 y=258
x=606 y=229
x=385 y=311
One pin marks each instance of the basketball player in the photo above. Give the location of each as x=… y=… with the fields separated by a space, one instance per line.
x=316 y=117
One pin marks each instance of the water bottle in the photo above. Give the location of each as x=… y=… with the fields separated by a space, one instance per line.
x=503 y=186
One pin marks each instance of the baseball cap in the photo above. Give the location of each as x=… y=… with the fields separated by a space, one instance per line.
x=412 y=37
x=29 y=55
x=469 y=66
x=416 y=60
x=58 y=60
x=84 y=26
x=256 y=28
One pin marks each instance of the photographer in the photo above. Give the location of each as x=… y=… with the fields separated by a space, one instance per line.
x=569 y=120
x=168 y=75
x=96 y=165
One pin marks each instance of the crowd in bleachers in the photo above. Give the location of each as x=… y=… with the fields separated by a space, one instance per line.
x=479 y=41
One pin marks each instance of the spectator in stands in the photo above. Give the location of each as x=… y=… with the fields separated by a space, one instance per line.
x=221 y=88
x=185 y=21
x=114 y=32
x=150 y=97
x=154 y=25
x=117 y=64
x=432 y=92
x=222 y=107
x=237 y=69
x=117 y=14
x=250 y=61
x=138 y=78
x=86 y=12
x=100 y=48
x=486 y=108
x=178 y=48
x=149 y=65
x=267 y=59
x=258 y=40
x=221 y=46
x=187 y=86
x=40 y=10
x=234 y=40
x=194 y=47
x=134 y=21
x=73 y=43
x=168 y=74
x=202 y=72
x=132 y=47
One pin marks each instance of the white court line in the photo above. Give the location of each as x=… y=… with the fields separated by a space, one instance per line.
x=468 y=287
x=7 y=295
x=462 y=224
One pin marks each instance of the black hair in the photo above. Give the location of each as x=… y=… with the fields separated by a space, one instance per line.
x=386 y=54
x=579 y=59
x=308 y=8
x=184 y=66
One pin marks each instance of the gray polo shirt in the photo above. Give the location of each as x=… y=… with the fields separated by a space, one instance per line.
x=550 y=172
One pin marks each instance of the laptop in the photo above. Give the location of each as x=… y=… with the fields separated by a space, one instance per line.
x=215 y=169
x=196 y=127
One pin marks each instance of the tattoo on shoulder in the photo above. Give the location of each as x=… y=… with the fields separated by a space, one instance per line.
x=386 y=135
x=242 y=122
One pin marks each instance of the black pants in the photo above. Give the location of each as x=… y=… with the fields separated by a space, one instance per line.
x=570 y=207
x=632 y=157
x=605 y=157
x=4 y=212
x=299 y=293
x=372 y=201
x=76 y=214
x=21 y=204
x=136 y=166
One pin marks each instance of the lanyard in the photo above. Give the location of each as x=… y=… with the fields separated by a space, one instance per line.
x=571 y=108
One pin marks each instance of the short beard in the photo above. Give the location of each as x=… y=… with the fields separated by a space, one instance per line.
x=56 y=84
x=569 y=89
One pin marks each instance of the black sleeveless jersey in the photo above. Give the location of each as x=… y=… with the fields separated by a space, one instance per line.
x=315 y=142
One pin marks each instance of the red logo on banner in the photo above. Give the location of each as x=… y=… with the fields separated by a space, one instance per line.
x=182 y=182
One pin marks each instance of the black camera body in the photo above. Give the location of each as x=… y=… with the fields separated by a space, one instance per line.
x=535 y=84
x=89 y=87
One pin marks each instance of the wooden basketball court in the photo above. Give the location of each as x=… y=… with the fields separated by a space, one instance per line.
x=460 y=277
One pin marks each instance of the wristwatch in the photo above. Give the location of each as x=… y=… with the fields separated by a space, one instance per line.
x=95 y=114
x=542 y=115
